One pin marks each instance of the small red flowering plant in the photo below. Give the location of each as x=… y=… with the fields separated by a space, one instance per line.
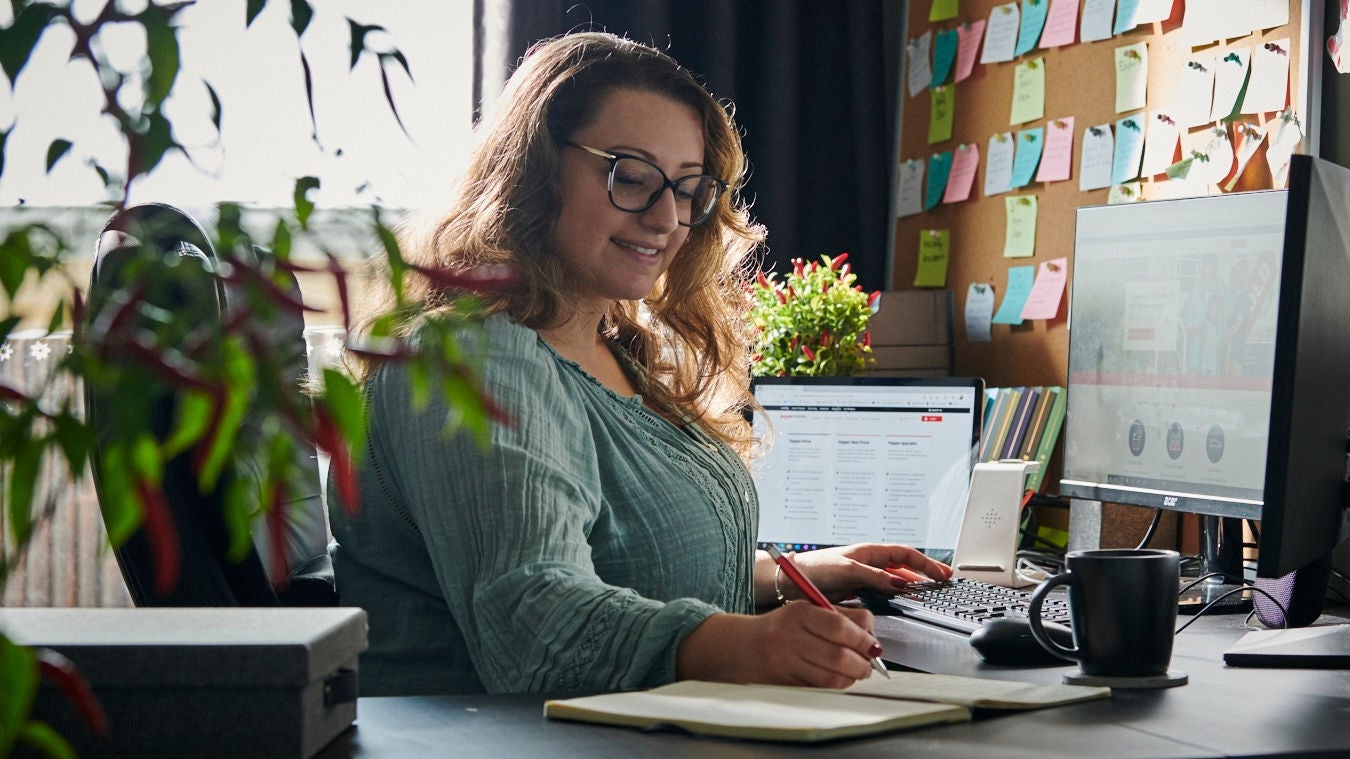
x=813 y=322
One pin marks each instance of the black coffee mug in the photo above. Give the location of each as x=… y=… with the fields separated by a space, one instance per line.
x=1122 y=610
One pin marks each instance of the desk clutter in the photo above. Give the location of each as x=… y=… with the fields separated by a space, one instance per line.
x=904 y=700
x=202 y=682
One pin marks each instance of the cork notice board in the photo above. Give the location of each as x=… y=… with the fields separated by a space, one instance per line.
x=1080 y=83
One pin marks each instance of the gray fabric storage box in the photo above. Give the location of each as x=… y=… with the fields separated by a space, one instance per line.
x=202 y=682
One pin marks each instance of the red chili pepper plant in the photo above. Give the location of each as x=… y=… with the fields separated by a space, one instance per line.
x=813 y=322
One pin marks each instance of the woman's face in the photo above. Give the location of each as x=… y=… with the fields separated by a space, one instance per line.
x=619 y=255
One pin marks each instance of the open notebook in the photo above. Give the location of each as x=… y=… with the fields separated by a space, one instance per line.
x=859 y=459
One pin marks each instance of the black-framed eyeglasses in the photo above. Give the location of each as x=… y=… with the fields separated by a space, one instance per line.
x=635 y=184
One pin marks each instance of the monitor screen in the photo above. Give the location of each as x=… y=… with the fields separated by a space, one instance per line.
x=1208 y=359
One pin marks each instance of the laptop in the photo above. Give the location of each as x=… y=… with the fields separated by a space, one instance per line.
x=865 y=459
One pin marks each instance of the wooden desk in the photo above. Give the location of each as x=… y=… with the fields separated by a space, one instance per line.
x=1223 y=711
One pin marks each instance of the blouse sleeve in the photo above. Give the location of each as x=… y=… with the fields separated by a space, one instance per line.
x=506 y=530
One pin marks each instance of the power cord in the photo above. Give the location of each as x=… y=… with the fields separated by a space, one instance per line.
x=1284 y=612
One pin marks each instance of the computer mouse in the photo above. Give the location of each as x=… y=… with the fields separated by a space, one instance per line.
x=1008 y=641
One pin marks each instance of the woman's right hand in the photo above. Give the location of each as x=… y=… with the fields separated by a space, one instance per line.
x=796 y=644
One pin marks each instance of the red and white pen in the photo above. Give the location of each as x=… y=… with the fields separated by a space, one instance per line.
x=812 y=593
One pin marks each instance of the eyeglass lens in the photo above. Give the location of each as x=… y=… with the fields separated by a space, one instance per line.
x=636 y=185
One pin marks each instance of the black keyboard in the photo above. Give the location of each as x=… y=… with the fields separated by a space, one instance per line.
x=963 y=605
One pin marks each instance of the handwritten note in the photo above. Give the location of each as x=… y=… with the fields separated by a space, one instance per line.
x=1131 y=77
x=1020 y=280
x=1000 y=35
x=998 y=167
x=1129 y=149
x=1061 y=24
x=1229 y=76
x=1027 y=157
x=1033 y=21
x=944 y=55
x=1161 y=139
x=1057 y=159
x=943 y=113
x=910 y=201
x=1213 y=153
x=1048 y=291
x=1268 y=85
x=968 y=44
x=1283 y=141
x=1028 y=101
x=1098 y=156
x=918 y=64
x=1125 y=16
x=964 y=161
x=1247 y=140
x=1020 y=238
x=1195 y=92
x=1096 y=20
x=979 y=312
x=1129 y=192
x=939 y=167
x=934 y=252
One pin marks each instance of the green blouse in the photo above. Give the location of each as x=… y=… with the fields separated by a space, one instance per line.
x=574 y=554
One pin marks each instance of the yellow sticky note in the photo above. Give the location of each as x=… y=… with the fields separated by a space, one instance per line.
x=1020 y=241
x=1131 y=77
x=942 y=10
x=1028 y=103
x=942 y=117
x=934 y=252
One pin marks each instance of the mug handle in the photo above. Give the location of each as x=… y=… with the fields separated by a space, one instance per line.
x=1038 y=627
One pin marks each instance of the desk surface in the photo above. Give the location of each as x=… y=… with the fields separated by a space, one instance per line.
x=1223 y=711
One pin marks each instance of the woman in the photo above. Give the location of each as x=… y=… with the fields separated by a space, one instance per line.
x=605 y=539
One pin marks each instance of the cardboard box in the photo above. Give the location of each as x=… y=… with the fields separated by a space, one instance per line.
x=912 y=334
x=255 y=682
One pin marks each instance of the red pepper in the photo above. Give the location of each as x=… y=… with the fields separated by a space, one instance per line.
x=162 y=535
x=810 y=355
x=836 y=262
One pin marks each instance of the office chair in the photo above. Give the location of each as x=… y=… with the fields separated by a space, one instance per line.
x=160 y=255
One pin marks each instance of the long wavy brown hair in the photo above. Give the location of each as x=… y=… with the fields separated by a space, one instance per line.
x=689 y=334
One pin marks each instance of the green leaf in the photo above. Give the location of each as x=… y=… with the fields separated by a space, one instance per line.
x=252 y=10
x=19 y=675
x=76 y=440
x=56 y=151
x=161 y=44
x=303 y=205
x=192 y=419
x=392 y=253
x=18 y=256
x=301 y=15
x=358 y=37
x=237 y=507
x=43 y=737
x=146 y=462
x=281 y=240
x=147 y=148
x=7 y=324
x=18 y=40
x=23 y=473
x=343 y=398
x=122 y=512
x=215 y=106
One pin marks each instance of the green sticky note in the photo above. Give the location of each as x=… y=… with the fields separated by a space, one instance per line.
x=1020 y=241
x=944 y=105
x=934 y=251
x=1028 y=103
x=942 y=10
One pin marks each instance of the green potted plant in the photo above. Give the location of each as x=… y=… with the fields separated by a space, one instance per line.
x=813 y=322
x=218 y=385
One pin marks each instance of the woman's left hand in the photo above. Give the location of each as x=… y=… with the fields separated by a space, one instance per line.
x=885 y=567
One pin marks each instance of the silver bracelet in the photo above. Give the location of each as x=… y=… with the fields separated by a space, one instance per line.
x=778 y=575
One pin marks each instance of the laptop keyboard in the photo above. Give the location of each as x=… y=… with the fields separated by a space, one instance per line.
x=963 y=605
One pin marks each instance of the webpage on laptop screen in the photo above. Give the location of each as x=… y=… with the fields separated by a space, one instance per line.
x=864 y=463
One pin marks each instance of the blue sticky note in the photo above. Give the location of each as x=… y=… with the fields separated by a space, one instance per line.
x=1126 y=11
x=1033 y=21
x=939 y=167
x=1129 y=149
x=1027 y=156
x=944 y=54
x=1020 y=280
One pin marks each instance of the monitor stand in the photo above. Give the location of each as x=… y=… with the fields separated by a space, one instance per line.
x=1220 y=551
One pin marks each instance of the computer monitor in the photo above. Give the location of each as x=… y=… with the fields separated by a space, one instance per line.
x=1209 y=362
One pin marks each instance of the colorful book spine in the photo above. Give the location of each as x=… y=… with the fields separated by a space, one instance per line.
x=1021 y=423
x=1009 y=397
x=1037 y=427
x=1046 y=447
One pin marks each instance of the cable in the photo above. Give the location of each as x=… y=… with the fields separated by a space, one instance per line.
x=1152 y=528
x=1284 y=613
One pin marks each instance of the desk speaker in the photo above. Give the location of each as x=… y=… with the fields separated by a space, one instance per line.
x=1301 y=593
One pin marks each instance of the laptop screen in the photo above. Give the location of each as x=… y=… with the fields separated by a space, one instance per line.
x=865 y=459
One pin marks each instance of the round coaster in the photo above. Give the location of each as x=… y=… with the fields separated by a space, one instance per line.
x=1172 y=679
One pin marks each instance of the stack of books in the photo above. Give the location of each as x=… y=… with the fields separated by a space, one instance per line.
x=1022 y=423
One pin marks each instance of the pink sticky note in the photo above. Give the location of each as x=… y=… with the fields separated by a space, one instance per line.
x=1057 y=157
x=968 y=38
x=1048 y=291
x=964 y=160
x=1061 y=24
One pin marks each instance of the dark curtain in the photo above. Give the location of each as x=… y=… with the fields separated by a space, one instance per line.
x=814 y=84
